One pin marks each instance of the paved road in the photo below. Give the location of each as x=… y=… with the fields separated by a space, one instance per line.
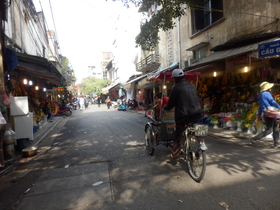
x=96 y=159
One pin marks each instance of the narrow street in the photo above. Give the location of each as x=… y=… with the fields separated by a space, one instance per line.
x=96 y=159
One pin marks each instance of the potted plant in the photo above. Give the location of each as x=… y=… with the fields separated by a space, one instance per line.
x=239 y=119
x=214 y=120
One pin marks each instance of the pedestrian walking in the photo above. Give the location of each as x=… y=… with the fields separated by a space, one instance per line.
x=265 y=100
x=98 y=101
x=82 y=103
x=108 y=102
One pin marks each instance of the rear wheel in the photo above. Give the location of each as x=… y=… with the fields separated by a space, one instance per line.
x=149 y=141
x=195 y=158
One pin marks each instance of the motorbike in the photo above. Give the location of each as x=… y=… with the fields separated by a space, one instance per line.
x=114 y=104
x=75 y=104
x=67 y=110
x=70 y=105
x=122 y=106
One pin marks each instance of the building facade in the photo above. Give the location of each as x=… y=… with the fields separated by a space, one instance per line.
x=220 y=39
x=33 y=69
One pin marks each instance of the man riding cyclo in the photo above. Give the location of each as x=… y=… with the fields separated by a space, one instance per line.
x=185 y=99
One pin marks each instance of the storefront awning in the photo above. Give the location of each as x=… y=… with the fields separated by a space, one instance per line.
x=106 y=89
x=224 y=54
x=136 y=79
x=41 y=68
x=169 y=68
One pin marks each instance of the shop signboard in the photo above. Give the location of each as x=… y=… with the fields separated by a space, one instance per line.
x=60 y=89
x=269 y=49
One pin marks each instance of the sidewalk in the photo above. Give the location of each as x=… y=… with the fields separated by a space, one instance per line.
x=37 y=138
x=226 y=133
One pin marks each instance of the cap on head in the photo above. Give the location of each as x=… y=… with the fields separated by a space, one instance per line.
x=266 y=86
x=177 y=73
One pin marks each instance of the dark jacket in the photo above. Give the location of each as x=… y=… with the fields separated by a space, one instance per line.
x=184 y=98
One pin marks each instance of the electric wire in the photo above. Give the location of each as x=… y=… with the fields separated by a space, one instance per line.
x=53 y=20
x=48 y=29
x=33 y=33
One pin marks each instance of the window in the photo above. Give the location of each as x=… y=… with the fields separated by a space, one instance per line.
x=199 y=54
x=207 y=14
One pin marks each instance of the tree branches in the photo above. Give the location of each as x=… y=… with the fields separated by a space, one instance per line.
x=162 y=19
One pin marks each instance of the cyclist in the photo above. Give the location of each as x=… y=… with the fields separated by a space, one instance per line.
x=185 y=99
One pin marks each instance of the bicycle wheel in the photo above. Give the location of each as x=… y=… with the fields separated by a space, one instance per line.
x=195 y=158
x=149 y=141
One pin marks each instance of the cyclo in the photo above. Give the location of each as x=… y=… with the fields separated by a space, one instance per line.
x=161 y=131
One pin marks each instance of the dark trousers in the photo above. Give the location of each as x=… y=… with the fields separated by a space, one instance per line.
x=271 y=126
x=180 y=128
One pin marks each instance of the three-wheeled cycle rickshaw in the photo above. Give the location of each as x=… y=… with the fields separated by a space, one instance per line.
x=161 y=131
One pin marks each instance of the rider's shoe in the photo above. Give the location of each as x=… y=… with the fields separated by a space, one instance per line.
x=173 y=157
x=277 y=146
x=252 y=141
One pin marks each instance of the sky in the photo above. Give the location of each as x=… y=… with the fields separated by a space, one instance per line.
x=86 y=28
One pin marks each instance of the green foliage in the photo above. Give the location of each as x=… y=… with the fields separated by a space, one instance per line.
x=164 y=19
x=92 y=85
x=67 y=71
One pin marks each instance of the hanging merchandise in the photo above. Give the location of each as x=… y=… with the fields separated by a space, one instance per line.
x=6 y=100
x=120 y=92
x=2 y=108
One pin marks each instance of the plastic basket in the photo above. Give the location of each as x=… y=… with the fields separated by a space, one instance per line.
x=272 y=114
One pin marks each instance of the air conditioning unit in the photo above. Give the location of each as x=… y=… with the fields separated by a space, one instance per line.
x=187 y=63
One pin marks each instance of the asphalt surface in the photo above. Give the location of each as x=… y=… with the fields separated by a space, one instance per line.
x=96 y=159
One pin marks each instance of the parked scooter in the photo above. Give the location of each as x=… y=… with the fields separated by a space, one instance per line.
x=122 y=106
x=67 y=110
x=70 y=105
x=75 y=104
x=114 y=104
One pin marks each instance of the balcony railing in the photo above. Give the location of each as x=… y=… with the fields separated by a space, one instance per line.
x=151 y=62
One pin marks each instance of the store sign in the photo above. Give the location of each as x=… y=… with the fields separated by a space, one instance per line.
x=60 y=89
x=269 y=49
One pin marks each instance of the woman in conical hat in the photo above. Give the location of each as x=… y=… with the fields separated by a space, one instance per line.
x=265 y=100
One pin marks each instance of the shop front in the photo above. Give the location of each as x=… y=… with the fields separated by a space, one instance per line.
x=132 y=89
x=35 y=81
x=114 y=92
x=229 y=87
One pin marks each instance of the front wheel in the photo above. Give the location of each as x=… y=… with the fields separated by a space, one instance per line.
x=195 y=158
x=68 y=112
x=149 y=141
